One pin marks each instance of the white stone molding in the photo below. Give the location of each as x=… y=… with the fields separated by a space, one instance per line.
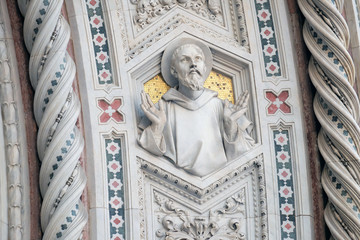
x=154 y=180
x=14 y=200
x=225 y=222
x=167 y=16
x=336 y=106
x=23 y=5
x=135 y=58
x=195 y=193
x=352 y=9
x=148 y=11
x=56 y=109
x=240 y=14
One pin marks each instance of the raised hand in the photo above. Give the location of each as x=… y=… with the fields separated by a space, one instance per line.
x=232 y=112
x=156 y=116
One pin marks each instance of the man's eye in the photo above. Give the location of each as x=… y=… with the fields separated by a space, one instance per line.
x=198 y=58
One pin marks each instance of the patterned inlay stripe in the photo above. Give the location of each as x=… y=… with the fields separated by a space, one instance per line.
x=285 y=184
x=100 y=42
x=115 y=188
x=268 y=38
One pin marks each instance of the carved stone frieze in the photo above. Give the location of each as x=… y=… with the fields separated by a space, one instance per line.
x=196 y=193
x=168 y=27
x=155 y=179
x=140 y=183
x=240 y=16
x=224 y=223
x=148 y=11
x=233 y=34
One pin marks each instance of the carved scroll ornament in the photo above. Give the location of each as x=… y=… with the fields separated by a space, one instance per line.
x=147 y=11
x=221 y=224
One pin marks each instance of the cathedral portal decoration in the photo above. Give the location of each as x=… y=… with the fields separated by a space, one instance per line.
x=336 y=106
x=56 y=108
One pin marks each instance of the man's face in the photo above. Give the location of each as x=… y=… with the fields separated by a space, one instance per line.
x=189 y=66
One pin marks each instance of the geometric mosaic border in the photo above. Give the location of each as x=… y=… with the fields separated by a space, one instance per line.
x=101 y=46
x=285 y=184
x=268 y=38
x=100 y=42
x=115 y=178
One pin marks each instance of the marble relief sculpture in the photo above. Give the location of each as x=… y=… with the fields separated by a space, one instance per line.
x=191 y=126
x=148 y=11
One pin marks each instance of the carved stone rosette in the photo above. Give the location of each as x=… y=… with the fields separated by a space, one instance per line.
x=56 y=109
x=336 y=106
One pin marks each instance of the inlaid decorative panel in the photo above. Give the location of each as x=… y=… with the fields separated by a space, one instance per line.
x=285 y=184
x=277 y=102
x=115 y=188
x=110 y=110
x=100 y=42
x=137 y=48
x=268 y=38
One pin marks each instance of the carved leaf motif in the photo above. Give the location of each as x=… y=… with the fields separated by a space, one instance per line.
x=147 y=11
x=167 y=2
x=214 y=6
x=179 y=225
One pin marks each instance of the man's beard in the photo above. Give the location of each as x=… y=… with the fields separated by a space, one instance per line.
x=195 y=83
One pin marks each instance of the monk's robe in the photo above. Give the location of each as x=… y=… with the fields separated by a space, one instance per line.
x=193 y=137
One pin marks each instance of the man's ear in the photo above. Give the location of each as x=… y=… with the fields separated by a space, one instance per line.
x=173 y=72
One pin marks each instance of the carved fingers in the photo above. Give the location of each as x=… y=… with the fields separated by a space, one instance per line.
x=243 y=100
x=156 y=116
x=234 y=112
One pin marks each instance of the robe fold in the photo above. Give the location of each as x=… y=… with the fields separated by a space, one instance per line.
x=193 y=137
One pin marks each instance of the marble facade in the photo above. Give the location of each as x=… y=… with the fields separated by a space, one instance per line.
x=88 y=112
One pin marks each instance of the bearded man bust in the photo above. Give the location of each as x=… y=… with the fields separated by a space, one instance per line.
x=191 y=126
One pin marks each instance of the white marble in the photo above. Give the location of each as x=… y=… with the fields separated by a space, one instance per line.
x=135 y=54
x=192 y=127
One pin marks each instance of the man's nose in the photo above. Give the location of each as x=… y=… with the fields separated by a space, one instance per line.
x=193 y=64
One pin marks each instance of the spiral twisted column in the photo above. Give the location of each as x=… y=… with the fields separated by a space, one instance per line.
x=56 y=109
x=336 y=107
